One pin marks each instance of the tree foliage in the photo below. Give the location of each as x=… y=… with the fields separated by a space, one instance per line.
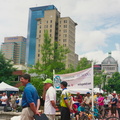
x=53 y=57
x=6 y=69
x=84 y=63
x=38 y=83
x=99 y=79
x=113 y=83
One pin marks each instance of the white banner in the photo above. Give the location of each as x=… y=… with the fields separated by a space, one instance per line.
x=76 y=80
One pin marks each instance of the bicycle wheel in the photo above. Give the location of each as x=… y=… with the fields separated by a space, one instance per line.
x=106 y=113
x=112 y=118
x=84 y=117
x=97 y=116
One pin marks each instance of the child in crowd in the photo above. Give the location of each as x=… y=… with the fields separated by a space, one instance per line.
x=80 y=112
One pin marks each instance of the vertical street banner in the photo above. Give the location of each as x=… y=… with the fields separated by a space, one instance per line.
x=77 y=80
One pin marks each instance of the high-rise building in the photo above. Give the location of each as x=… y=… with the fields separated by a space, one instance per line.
x=14 y=48
x=61 y=29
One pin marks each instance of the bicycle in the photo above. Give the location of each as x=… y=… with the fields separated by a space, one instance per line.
x=92 y=115
x=112 y=118
x=95 y=115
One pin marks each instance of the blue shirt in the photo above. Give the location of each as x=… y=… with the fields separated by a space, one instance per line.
x=114 y=100
x=81 y=109
x=29 y=95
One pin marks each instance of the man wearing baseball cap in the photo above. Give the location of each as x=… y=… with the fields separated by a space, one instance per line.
x=88 y=99
x=49 y=95
x=114 y=104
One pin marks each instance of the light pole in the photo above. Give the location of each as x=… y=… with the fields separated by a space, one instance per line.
x=104 y=79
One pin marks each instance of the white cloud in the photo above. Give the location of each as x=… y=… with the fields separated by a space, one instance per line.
x=90 y=40
x=94 y=9
x=117 y=46
x=96 y=56
x=113 y=30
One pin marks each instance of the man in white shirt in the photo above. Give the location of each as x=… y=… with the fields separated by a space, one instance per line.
x=49 y=95
x=110 y=96
x=4 y=99
x=88 y=99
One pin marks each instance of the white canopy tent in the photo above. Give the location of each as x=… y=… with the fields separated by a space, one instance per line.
x=5 y=87
x=98 y=90
x=81 y=91
x=84 y=91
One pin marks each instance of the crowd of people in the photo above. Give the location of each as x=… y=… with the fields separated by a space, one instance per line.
x=13 y=100
x=102 y=104
x=70 y=104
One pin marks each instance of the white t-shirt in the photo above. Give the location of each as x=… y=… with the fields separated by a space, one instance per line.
x=20 y=102
x=106 y=101
x=110 y=96
x=50 y=95
x=4 y=98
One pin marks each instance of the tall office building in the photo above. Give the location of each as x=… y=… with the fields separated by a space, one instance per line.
x=61 y=29
x=14 y=48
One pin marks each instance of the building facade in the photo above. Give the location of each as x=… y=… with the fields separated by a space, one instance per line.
x=34 y=13
x=109 y=65
x=61 y=29
x=14 y=48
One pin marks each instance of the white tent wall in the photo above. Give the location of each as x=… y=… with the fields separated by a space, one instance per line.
x=6 y=87
x=84 y=91
x=81 y=91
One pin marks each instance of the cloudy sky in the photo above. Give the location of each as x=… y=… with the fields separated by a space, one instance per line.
x=97 y=32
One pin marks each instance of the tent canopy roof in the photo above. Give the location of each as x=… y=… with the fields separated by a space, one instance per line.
x=5 y=87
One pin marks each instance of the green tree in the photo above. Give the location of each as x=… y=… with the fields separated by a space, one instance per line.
x=71 y=69
x=84 y=63
x=59 y=57
x=52 y=58
x=38 y=83
x=113 y=83
x=98 y=79
x=46 y=50
x=6 y=69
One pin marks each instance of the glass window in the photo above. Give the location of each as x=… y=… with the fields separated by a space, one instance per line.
x=65 y=26
x=40 y=21
x=65 y=21
x=64 y=40
x=65 y=31
x=64 y=35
